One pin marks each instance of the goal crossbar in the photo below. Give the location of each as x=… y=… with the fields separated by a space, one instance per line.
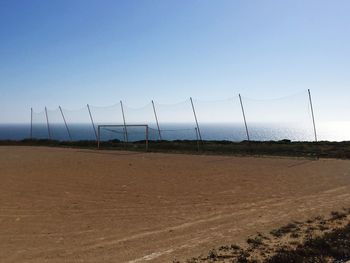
x=125 y=131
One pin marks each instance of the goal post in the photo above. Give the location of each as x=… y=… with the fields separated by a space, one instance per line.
x=124 y=130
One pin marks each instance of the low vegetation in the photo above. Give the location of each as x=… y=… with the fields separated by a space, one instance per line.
x=323 y=149
x=315 y=240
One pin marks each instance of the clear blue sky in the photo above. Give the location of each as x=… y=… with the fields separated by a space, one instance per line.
x=73 y=52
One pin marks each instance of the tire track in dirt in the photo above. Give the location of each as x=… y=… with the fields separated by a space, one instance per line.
x=219 y=223
x=310 y=200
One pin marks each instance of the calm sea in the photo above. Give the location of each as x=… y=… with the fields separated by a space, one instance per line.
x=332 y=131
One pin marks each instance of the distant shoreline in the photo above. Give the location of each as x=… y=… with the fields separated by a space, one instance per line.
x=326 y=131
x=322 y=149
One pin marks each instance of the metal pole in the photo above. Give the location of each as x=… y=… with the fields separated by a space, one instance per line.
x=195 y=117
x=48 y=125
x=146 y=138
x=245 y=121
x=92 y=121
x=155 y=115
x=197 y=138
x=312 y=113
x=65 y=123
x=31 y=123
x=98 y=138
x=126 y=132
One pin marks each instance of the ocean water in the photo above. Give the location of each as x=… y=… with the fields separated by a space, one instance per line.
x=331 y=131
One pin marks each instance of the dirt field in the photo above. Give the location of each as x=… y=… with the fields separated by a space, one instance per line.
x=72 y=205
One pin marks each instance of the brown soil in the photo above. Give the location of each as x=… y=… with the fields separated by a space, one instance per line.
x=72 y=205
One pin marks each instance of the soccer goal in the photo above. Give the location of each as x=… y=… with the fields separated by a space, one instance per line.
x=124 y=133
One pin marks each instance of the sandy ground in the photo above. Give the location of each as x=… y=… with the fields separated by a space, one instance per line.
x=75 y=205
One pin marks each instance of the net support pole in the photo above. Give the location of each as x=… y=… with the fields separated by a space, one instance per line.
x=243 y=113
x=155 y=115
x=197 y=138
x=125 y=132
x=312 y=114
x=92 y=121
x=146 y=138
x=48 y=124
x=31 y=123
x=98 y=137
x=195 y=118
x=65 y=123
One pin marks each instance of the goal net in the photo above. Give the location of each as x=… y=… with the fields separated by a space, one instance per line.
x=116 y=135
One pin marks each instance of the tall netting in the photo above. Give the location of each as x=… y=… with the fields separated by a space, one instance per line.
x=274 y=119
x=107 y=114
x=220 y=119
x=58 y=130
x=278 y=119
x=176 y=121
x=39 y=125
x=142 y=115
x=79 y=124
